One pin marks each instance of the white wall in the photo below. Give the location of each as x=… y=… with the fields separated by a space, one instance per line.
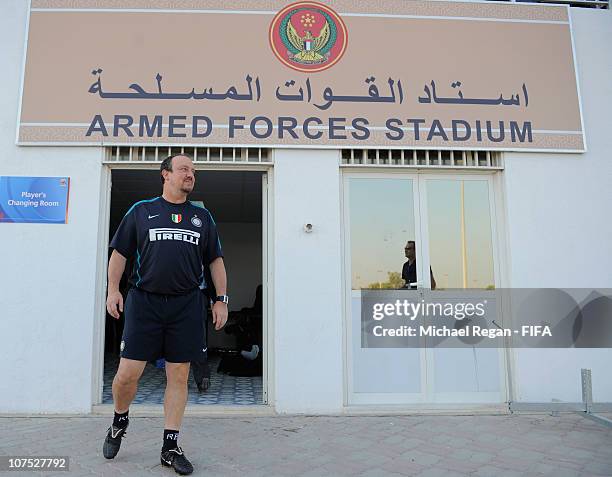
x=308 y=353
x=559 y=216
x=47 y=278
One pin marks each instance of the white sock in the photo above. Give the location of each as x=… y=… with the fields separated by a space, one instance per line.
x=250 y=355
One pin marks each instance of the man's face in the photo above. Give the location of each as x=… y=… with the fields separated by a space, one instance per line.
x=182 y=176
x=410 y=251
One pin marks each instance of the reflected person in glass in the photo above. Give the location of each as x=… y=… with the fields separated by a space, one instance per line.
x=409 y=270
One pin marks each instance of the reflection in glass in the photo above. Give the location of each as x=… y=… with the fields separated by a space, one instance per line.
x=381 y=222
x=460 y=242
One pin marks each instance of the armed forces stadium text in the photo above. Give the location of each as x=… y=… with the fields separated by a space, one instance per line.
x=333 y=128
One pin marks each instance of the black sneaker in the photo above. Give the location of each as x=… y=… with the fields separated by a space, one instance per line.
x=112 y=443
x=176 y=459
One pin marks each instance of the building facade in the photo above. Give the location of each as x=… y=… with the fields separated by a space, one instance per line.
x=545 y=215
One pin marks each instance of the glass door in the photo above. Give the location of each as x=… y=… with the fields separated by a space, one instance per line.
x=458 y=214
x=426 y=237
x=382 y=239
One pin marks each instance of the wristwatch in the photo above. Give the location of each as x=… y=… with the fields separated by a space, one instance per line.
x=222 y=298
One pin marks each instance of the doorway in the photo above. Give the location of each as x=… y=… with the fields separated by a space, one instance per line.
x=237 y=199
x=447 y=223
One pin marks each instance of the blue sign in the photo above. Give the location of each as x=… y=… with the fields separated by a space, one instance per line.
x=34 y=199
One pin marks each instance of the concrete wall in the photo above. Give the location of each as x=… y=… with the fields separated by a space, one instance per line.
x=308 y=352
x=48 y=272
x=559 y=210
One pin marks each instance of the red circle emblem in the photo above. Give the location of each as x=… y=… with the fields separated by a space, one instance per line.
x=308 y=36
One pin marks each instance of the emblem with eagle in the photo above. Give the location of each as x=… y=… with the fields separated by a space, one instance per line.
x=309 y=47
x=308 y=36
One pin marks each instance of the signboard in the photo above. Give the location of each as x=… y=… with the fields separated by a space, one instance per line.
x=391 y=74
x=34 y=199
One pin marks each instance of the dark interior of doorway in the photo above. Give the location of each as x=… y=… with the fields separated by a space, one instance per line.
x=234 y=198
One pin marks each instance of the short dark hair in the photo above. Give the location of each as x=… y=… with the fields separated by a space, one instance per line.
x=166 y=164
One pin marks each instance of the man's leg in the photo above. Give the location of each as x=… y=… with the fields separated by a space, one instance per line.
x=175 y=399
x=183 y=343
x=125 y=385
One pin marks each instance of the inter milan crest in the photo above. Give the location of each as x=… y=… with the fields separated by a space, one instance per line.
x=308 y=36
x=176 y=218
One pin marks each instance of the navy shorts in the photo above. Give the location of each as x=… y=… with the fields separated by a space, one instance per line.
x=164 y=326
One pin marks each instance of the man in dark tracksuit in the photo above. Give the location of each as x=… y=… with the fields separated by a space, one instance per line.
x=409 y=270
x=175 y=243
x=201 y=369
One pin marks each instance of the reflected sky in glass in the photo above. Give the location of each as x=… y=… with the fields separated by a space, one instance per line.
x=445 y=242
x=381 y=215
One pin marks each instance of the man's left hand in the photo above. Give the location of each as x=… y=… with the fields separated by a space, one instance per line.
x=219 y=314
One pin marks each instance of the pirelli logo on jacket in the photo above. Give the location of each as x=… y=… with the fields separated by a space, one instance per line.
x=174 y=234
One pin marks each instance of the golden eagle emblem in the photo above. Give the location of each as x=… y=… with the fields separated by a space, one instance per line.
x=308 y=36
x=309 y=46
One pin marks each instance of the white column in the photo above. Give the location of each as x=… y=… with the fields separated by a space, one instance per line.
x=308 y=355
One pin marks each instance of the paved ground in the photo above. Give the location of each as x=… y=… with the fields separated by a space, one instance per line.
x=516 y=445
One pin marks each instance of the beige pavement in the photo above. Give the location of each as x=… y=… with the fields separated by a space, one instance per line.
x=428 y=446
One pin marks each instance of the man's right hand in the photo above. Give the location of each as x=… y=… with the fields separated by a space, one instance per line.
x=114 y=303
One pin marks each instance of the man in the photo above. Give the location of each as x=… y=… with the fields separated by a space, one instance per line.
x=409 y=270
x=201 y=369
x=175 y=243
